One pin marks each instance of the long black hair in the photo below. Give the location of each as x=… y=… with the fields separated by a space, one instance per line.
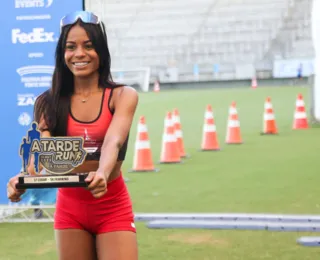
x=53 y=105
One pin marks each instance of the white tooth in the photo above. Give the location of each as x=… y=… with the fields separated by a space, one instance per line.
x=80 y=63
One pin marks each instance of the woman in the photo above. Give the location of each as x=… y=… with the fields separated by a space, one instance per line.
x=97 y=222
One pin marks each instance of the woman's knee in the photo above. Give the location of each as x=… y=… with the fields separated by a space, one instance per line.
x=118 y=245
x=75 y=244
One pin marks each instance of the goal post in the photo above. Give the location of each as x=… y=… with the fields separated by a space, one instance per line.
x=139 y=78
x=315 y=30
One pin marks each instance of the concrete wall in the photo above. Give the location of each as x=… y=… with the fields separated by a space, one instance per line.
x=230 y=84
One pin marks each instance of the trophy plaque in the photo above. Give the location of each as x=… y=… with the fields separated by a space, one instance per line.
x=57 y=156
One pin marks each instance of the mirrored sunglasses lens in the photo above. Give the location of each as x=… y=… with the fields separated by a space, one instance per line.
x=84 y=16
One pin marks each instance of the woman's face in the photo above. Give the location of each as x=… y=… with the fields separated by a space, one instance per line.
x=80 y=56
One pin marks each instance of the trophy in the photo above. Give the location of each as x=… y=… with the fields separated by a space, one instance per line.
x=58 y=157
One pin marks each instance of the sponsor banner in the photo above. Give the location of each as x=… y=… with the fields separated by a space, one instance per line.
x=29 y=34
x=291 y=68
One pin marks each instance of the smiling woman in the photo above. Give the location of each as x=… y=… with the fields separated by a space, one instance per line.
x=80 y=56
x=97 y=222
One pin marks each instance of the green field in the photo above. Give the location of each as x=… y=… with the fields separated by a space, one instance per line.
x=266 y=174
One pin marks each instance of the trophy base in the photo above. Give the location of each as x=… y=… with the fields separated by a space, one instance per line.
x=52 y=181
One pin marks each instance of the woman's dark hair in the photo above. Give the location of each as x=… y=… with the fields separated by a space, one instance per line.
x=54 y=103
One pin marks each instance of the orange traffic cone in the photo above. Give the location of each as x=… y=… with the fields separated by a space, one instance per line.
x=269 y=121
x=170 y=152
x=142 y=161
x=300 y=115
x=156 y=86
x=209 y=136
x=254 y=83
x=178 y=132
x=233 y=135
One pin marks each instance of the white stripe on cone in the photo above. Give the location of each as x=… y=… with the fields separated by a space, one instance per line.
x=300 y=103
x=268 y=105
x=178 y=133
x=233 y=123
x=300 y=115
x=209 y=128
x=269 y=117
x=233 y=111
x=168 y=123
x=142 y=128
x=208 y=115
x=176 y=119
x=142 y=145
x=169 y=138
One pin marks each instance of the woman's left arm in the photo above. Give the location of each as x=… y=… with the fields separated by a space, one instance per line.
x=125 y=104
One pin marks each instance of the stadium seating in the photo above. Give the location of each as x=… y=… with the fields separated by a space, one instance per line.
x=300 y=27
x=165 y=33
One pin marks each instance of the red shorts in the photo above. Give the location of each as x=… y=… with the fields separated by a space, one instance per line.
x=76 y=208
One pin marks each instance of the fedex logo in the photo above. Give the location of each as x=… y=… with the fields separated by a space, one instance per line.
x=38 y=35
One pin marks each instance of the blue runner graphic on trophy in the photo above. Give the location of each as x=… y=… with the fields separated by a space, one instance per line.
x=57 y=155
x=25 y=148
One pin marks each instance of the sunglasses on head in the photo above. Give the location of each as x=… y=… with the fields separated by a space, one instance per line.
x=84 y=16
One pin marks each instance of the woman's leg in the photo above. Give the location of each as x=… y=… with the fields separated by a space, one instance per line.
x=75 y=244
x=118 y=245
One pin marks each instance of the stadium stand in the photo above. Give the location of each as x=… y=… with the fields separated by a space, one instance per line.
x=222 y=36
x=298 y=29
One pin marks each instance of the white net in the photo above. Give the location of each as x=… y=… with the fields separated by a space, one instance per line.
x=138 y=78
